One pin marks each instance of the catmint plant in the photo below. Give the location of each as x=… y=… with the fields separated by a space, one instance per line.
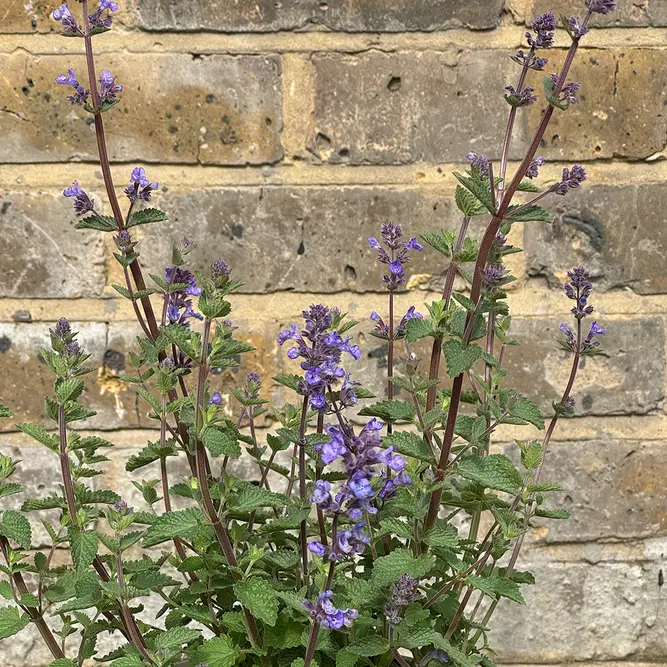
x=360 y=537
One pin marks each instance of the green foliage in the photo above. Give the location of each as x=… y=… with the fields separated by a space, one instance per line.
x=12 y=621
x=495 y=471
x=258 y=596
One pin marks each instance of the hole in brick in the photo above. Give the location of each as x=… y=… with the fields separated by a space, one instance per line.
x=210 y=98
x=324 y=6
x=5 y=344
x=301 y=249
x=5 y=207
x=555 y=140
x=237 y=230
x=394 y=83
x=322 y=142
x=350 y=274
x=344 y=152
x=268 y=122
x=587 y=402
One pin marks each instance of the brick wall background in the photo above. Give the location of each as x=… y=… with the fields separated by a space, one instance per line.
x=283 y=134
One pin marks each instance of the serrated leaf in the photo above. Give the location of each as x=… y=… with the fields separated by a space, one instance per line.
x=416 y=329
x=41 y=435
x=251 y=497
x=16 y=527
x=6 y=590
x=388 y=569
x=5 y=413
x=467 y=202
x=173 y=524
x=481 y=189
x=69 y=390
x=289 y=380
x=63 y=662
x=101 y=223
x=12 y=621
x=368 y=646
x=396 y=527
x=443 y=535
x=259 y=598
x=346 y=659
x=532 y=213
x=146 y=216
x=459 y=359
x=84 y=548
x=412 y=638
x=528 y=186
x=497 y=587
x=552 y=514
x=390 y=411
x=495 y=471
x=442 y=241
x=409 y=444
x=221 y=443
x=176 y=637
x=528 y=412
x=9 y=489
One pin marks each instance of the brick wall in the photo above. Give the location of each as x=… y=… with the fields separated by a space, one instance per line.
x=283 y=134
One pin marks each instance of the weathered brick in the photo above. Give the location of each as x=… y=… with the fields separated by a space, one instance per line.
x=303 y=239
x=175 y=108
x=619 y=233
x=356 y=16
x=629 y=13
x=579 y=612
x=385 y=108
x=611 y=119
x=28 y=380
x=44 y=256
x=613 y=490
x=628 y=378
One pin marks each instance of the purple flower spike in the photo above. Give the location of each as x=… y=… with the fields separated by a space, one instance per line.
x=63 y=15
x=521 y=98
x=534 y=168
x=395 y=253
x=568 y=91
x=577 y=29
x=108 y=88
x=82 y=202
x=140 y=187
x=543 y=27
x=572 y=179
x=99 y=20
x=601 y=6
x=81 y=94
x=327 y=615
x=479 y=162
x=590 y=343
x=216 y=399
x=579 y=289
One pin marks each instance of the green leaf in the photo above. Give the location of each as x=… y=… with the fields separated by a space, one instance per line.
x=528 y=186
x=368 y=646
x=128 y=661
x=5 y=413
x=417 y=328
x=41 y=435
x=16 y=527
x=495 y=471
x=69 y=390
x=221 y=443
x=552 y=514
x=480 y=188
x=497 y=587
x=443 y=535
x=346 y=659
x=390 y=411
x=417 y=637
x=289 y=380
x=176 y=637
x=6 y=590
x=101 y=223
x=409 y=444
x=259 y=598
x=532 y=213
x=396 y=527
x=63 y=662
x=84 y=548
x=467 y=202
x=458 y=359
x=173 y=524
x=146 y=216
x=442 y=241
x=527 y=411
x=12 y=621
x=252 y=497
x=388 y=569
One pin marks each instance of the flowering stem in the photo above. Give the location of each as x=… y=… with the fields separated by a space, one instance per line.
x=485 y=247
x=436 y=351
x=303 y=529
x=390 y=356
x=65 y=469
x=319 y=468
x=35 y=614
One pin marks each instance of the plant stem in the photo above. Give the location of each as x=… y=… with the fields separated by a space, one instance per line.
x=303 y=528
x=319 y=468
x=390 y=358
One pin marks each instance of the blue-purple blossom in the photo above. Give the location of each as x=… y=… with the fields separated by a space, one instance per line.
x=494 y=276
x=590 y=343
x=140 y=187
x=438 y=656
x=321 y=350
x=579 y=289
x=123 y=241
x=479 y=162
x=404 y=593
x=219 y=269
x=395 y=252
x=252 y=385
x=534 y=168
x=543 y=27
x=81 y=94
x=571 y=180
x=577 y=29
x=601 y=6
x=382 y=329
x=108 y=88
x=568 y=91
x=520 y=98
x=327 y=615
x=99 y=19
x=530 y=61
x=82 y=202
x=179 y=306
x=64 y=16
x=216 y=399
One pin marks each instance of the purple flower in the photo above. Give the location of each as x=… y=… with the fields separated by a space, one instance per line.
x=394 y=461
x=63 y=328
x=533 y=169
x=123 y=241
x=439 y=656
x=522 y=98
x=321 y=495
x=108 y=88
x=568 y=92
x=219 y=269
x=529 y=61
x=569 y=336
x=382 y=329
x=360 y=486
x=579 y=289
x=63 y=15
x=327 y=615
x=479 y=162
x=571 y=180
x=590 y=343
x=405 y=591
x=317 y=548
x=253 y=383
x=601 y=6
x=577 y=29
x=81 y=94
x=179 y=308
x=398 y=255
x=140 y=187
x=100 y=21
x=543 y=27
x=82 y=202
x=216 y=399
